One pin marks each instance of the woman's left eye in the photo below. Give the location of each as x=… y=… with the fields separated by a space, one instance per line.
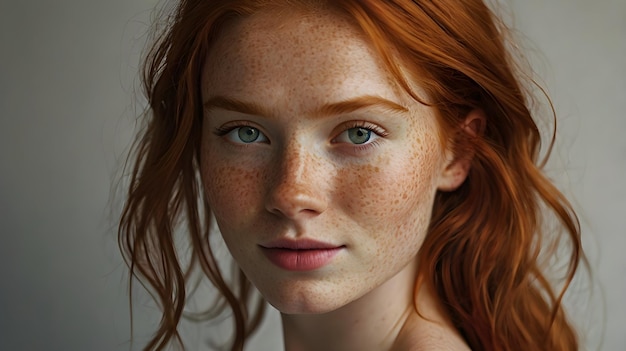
x=357 y=136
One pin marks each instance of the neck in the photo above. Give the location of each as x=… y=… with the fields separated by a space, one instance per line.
x=384 y=319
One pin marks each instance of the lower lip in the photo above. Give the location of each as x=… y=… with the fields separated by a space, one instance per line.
x=300 y=260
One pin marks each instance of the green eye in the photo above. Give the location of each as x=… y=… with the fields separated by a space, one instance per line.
x=242 y=134
x=248 y=134
x=359 y=135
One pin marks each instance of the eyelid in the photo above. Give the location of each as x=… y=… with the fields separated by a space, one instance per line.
x=224 y=130
x=376 y=129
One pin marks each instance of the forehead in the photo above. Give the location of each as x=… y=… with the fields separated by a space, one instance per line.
x=298 y=59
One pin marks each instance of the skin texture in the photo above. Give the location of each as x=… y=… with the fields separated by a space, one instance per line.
x=303 y=178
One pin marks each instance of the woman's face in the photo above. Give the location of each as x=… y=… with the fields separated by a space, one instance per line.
x=320 y=171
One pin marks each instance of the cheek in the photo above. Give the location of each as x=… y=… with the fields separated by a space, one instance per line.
x=389 y=191
x=394 y=198
x=230 y=191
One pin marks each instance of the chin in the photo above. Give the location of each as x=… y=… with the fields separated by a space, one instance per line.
x=305 y=301
x=302 y=308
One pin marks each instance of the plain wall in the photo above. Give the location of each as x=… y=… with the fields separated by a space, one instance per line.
x=68 y=72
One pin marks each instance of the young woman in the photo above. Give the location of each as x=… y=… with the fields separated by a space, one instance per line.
x=371 y=166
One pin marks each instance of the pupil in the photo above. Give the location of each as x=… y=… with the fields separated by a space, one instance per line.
x=359 y=135
x=248 y=134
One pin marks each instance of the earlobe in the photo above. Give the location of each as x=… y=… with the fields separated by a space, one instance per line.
x=458 y=165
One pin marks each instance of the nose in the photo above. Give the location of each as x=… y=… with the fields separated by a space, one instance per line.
x=297 y=184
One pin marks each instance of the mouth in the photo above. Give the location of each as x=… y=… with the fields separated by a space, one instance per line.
x=300 y=244
x=300 y=255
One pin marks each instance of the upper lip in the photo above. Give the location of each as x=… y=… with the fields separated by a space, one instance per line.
x=299 y=244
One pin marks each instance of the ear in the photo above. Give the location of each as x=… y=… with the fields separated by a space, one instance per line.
x=458 y=166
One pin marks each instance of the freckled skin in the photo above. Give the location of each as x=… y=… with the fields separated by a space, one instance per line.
x=301 y=184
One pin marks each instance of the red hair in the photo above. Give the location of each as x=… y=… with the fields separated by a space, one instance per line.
x=485 y=243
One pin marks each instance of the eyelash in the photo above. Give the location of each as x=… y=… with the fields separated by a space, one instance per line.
x=230 y=127
x=223 y=130
x=367 y=125
x=377 y=130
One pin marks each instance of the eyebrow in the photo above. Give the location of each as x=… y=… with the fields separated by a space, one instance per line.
x=331 y=109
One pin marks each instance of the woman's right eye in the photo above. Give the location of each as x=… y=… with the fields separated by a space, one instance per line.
x=243 y=135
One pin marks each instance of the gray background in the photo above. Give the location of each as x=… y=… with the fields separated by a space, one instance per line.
x=67 y=110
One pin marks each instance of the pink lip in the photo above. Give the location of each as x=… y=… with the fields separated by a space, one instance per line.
x=300 y=255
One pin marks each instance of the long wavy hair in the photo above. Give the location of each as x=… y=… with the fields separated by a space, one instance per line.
x=486 y=249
